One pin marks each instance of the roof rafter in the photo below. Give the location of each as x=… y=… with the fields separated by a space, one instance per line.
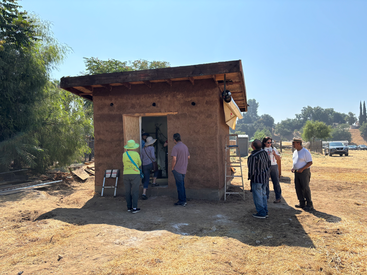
x=192 y=80
x=148 y=83
x=169 y=81
x=126 y=84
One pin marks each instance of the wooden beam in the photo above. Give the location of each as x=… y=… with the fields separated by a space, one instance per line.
x=74 y=91
x=152 y=114
x=169 y=81
x=215 y=79
x=230 y=83
x=191 y=80
x=90 y=88
x=108 y=87
x=147 y=75
x=148 y=83
x=126 y=84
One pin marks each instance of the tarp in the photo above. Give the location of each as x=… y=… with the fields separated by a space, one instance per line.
x=231 y=113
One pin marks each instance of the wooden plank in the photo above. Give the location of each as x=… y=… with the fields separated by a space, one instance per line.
x=80 y=173
x=90 y=171
x=156 y=74
x=154 y=114
x=131 y=128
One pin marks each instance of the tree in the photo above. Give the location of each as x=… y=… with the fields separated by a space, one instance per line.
x=16 y=28
x=288 y=126
x=350 y=118
x=23 y=72
x=61 y=129
x=251 y=115
x=363 y=131
x=248 y=129
x=260 y=134
x=341 y=132
x=267 y=120
x=315 y=129
x=39 y=123
x=338 y=118
x=96 y=66
x=328 y=115
x=362 y=113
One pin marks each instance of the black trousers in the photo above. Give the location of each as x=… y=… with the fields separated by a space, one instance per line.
x=302 y=184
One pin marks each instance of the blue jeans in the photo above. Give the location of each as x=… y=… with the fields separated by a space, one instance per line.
x=146 y=172
x=259 y=196
x=180 y=184
x=274 y=175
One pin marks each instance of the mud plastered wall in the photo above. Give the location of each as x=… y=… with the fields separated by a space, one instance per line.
x=199 y=120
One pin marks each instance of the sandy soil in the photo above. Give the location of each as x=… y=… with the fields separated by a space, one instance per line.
x=67 y=229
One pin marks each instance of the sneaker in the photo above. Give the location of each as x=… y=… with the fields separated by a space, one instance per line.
x=135 y=210
x=181 y=203
x=258 y=216
x=144 y=197
x=277 y=201
x=129 y=209
x=300 y=206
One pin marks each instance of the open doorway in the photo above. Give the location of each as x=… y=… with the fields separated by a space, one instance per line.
x=156 y=127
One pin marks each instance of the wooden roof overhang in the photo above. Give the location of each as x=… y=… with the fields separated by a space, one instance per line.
x=85 y=85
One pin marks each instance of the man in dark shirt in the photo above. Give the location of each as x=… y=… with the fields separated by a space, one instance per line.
x=180 y=158
x=258 y=172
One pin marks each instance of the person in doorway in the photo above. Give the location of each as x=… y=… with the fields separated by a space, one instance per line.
x=131 y=179
x=180 y=159
x=148 y=158
x=258 y=164
x=144 y=138
x=274 y=172
x=302 y=160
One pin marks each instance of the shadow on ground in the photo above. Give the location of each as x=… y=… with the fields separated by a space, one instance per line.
x=232 y=219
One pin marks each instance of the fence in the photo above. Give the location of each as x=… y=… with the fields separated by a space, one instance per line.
x=315 y=146
x=312 y=146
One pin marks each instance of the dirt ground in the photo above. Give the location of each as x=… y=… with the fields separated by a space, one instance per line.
x=67 y=229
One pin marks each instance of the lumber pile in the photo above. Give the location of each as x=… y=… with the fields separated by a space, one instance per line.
x=83 y=171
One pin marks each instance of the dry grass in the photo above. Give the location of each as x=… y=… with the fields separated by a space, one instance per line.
x=337 y=232
x=356 y=137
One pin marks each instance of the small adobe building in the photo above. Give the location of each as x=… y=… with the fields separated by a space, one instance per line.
x=186 y=100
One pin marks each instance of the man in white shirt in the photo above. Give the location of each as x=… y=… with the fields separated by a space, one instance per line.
x=302 y=160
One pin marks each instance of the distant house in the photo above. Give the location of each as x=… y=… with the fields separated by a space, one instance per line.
x=186 y=99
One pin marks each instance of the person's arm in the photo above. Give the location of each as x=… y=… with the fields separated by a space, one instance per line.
x=174 y=159
x=308 y=164
x=276 y=154
x=152 y=154
x=138 y=162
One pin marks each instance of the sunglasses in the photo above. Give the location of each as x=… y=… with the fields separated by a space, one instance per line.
x=269 y=142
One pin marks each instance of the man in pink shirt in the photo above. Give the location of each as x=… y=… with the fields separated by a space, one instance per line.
x=180 y=159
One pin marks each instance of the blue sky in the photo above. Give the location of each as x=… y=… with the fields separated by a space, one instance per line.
x=294 y=53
